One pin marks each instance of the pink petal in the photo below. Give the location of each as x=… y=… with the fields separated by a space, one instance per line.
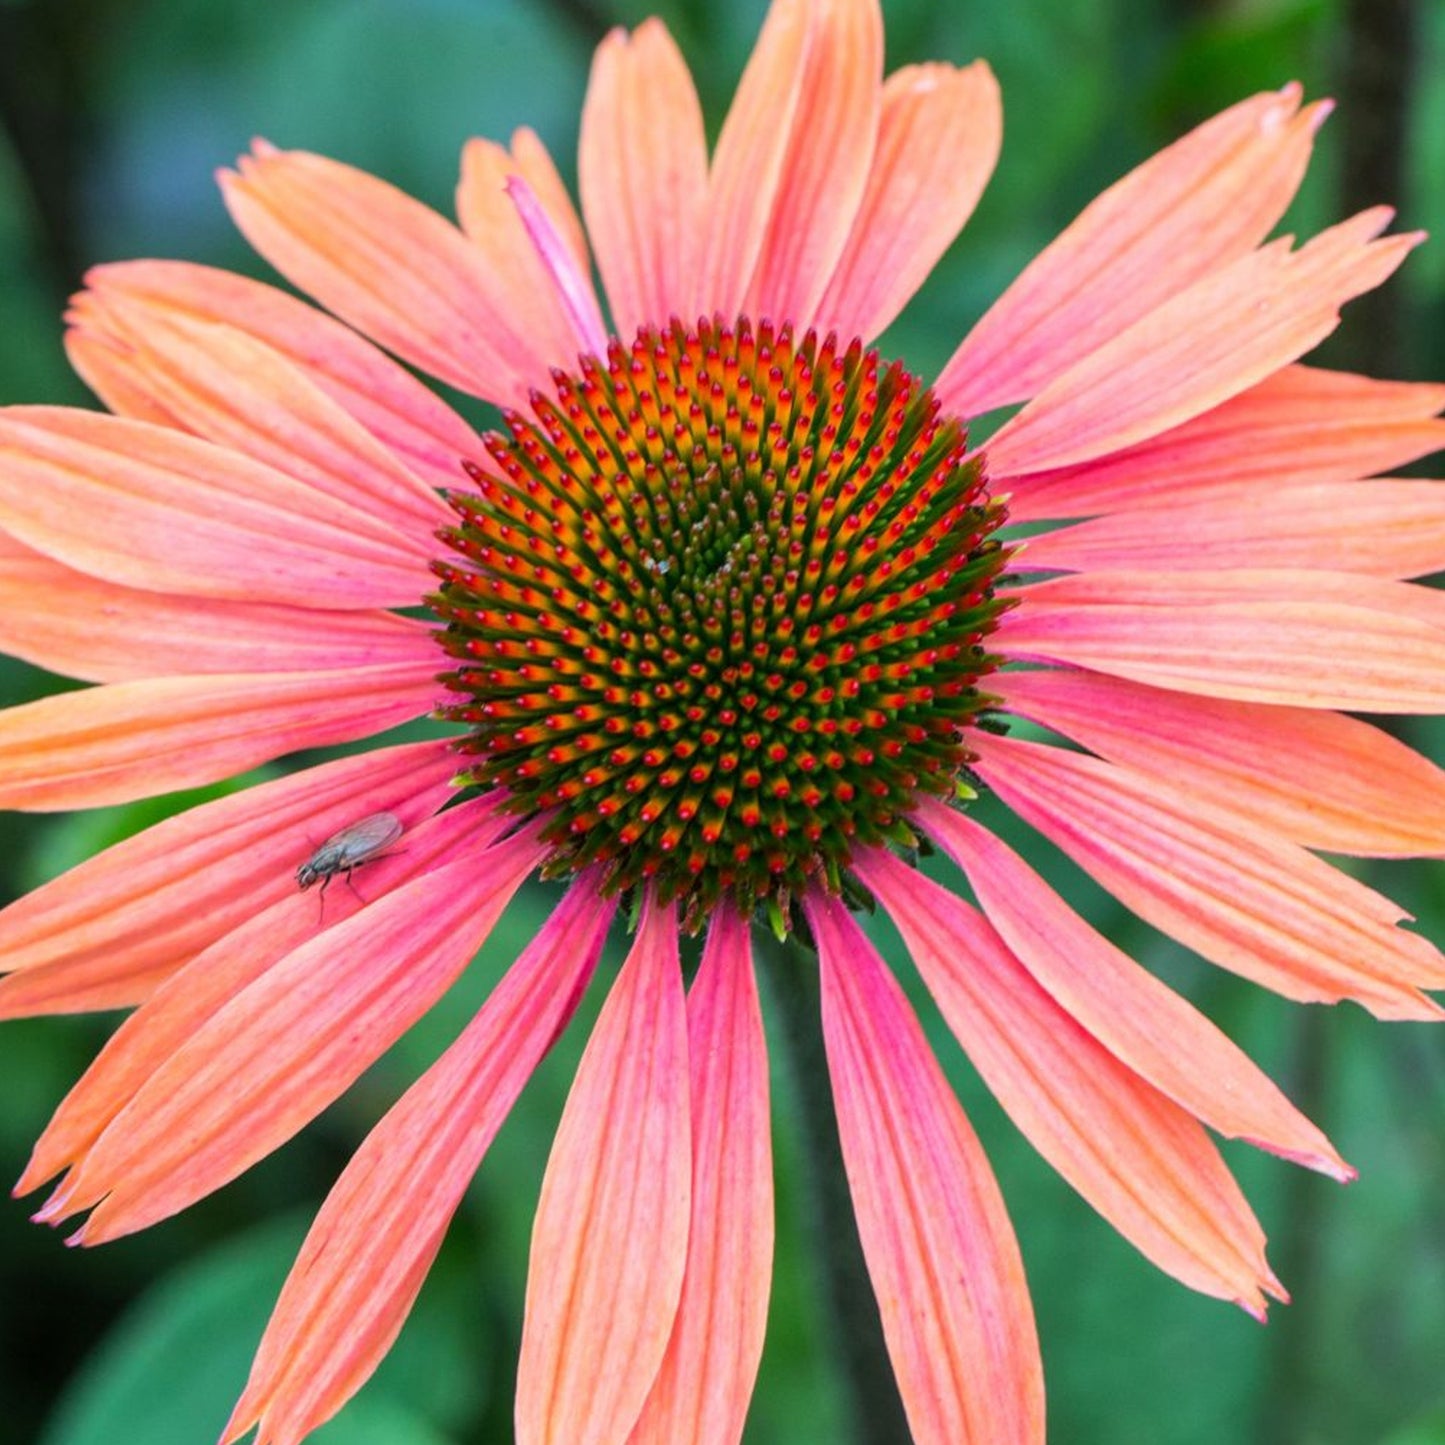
x=1299 y=427
x=1383 y=528
x=1321 y=779
x=82 y=627
x=1225 y=333
x=568 y=282
x=701 y=1393
x=938 y=141
x=230 y=388
x=196 y=992
x=374 y=1241
x=940 y=1250
x=386 y=399
x=1246 y=899
x=610 y=1236
x=128 y=740
x=288 y=1044
x=1145 y=1025
x=490 y=220
x=530 y=160
x=642 y=169
x=149 y=507
x=1139 y=1159
x=389 y=266
x=131 y=910
x=1255 y=635
x=1196 y=206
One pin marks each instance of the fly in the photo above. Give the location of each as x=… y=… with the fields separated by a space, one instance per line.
x=357 y=843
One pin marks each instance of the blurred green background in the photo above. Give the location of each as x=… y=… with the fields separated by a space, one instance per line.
x=115 y=114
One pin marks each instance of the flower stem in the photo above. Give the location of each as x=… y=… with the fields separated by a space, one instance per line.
x=861 y=1357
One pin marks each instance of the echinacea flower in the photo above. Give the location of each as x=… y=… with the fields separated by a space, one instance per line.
x=728 y=622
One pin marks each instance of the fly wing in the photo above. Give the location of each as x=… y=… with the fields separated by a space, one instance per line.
x=362 y=840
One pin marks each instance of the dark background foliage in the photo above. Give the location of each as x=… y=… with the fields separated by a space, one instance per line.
x=113 y=116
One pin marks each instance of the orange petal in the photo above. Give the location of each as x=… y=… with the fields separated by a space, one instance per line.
x=1246 y=899
x=131 y=909
x=702 y=1391
x=1144 y=1024
x=128 y=740
x=79 y=626
x=287 y=1045
x=1382 y=528
x=489 y=218
x=372 y=1244
x=152 y=508
x=642 y=170
x=940 y=1250
x=1196 y=206
x=1225 y=333
x=1139 y=1159
x=425 y=433
x=610 y=1236
x=1297 y=427
x=393 y=268
x=748 y=163
x=195 y=993
x=1324 y=780
x=1255 y=635
x=829 y=153
x=938 y=141
x=232 y=389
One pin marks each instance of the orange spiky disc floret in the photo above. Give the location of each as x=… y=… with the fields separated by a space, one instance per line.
x=719 y=609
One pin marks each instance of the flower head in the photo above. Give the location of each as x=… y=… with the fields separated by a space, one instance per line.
x=730 y=619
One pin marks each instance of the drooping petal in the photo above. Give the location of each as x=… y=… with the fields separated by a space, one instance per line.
x=287 y=1045
x=79 y=626
x=128 y=740
x=1139 y=1159
x=1247 y=900
x=1299 y=427
x=397 y=409
x=396 y=270
x=129 y=913
x=1191 y=209
x=938 y=1243
x=490 y=220
x=1225 y=333
x=1146 y=1025
x=1322 y=779
x=702 y=1391
x=150 y=507
x=233 y=389
x=938 y=141
x=1383 y=528
x=642 y=171
x=363 y=1262
x=610 y=1236
x=1273 y=635
x=196 y=992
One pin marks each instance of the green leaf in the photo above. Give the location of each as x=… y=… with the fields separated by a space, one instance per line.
x=173 y=1366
